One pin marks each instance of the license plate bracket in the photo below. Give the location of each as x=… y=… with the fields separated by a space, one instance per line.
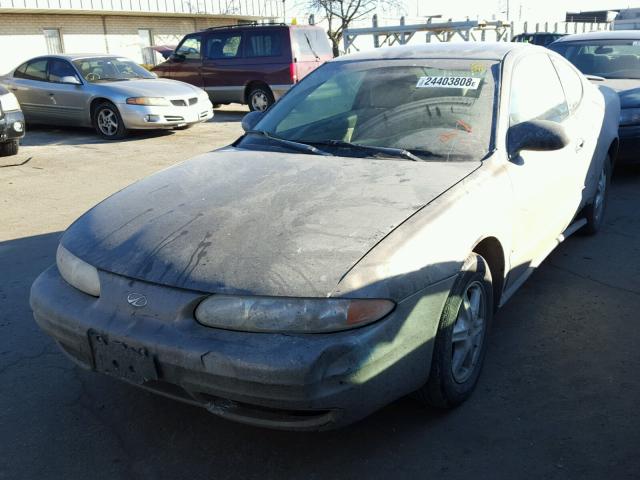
x=116 y=358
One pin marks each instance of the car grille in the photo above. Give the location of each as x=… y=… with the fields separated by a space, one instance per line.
x=183 y=103
x=173 y=118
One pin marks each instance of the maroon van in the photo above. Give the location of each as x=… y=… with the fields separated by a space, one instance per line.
x=252 y=64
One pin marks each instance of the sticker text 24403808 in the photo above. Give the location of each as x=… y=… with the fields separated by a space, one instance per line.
x=448 y=82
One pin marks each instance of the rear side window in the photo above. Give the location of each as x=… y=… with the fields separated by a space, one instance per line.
x=571 y=83
x=190 y=48
x=223 y=45
x=263 y=44
x=312 y=42
x=35 y=70
x=19 y=72
x=536 y=92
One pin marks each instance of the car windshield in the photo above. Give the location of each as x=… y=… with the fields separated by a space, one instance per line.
x=604 y=58
x=102 y=69
x=433 y=109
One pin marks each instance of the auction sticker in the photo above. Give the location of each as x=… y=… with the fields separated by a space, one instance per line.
x=449 y=82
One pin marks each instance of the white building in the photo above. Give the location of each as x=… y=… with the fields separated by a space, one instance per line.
x=123 y=27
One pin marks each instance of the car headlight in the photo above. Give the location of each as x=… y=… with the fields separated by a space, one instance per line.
x=289 y=315
x=78 y=273
x=149 y=101
x=630 y=116
x=9 y=102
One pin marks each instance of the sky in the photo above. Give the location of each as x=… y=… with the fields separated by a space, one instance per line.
x=551 y=10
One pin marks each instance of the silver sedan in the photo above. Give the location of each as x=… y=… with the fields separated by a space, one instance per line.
x=111 y=94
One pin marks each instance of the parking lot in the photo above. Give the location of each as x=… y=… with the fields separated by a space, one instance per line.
x=557 y=399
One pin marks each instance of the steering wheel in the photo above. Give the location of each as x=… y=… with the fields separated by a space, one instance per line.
x=93 y=77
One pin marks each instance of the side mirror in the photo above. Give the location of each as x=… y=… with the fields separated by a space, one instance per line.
x=250 y=120
x=71 y=80
x=177 y=57
x=537 y=135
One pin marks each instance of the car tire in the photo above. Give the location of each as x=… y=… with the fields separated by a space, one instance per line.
x=260 y=98
x=108 y=122
x=461 y=340
x=595 y=211
x=9 y=148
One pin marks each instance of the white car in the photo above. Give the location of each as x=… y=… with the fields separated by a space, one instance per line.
x=112 y=94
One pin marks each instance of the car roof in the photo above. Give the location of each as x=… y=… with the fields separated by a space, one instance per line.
x=602 y=35
x=259 y=26
x=466 y=50
x=77 y=56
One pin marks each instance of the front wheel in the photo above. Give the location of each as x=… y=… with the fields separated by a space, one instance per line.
x=594 y=212
x=108 y=122
x=260 y=99
x=461 y=340
x=9 y=148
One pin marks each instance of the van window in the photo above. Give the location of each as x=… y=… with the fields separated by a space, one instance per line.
x=190 y=48
x=223 y=45
x=263 y=44
x=312 y=42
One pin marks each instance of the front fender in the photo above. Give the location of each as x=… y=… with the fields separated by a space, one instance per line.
x=432 y=245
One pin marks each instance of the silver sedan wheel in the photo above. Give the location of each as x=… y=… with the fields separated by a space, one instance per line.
x=601 y=193
x=468 y=332
x=108 y=122
x=259 y=101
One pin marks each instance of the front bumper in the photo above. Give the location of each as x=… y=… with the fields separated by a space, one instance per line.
x=12 y=126
x=295 y=382
x=146 y=117
x=629 y=150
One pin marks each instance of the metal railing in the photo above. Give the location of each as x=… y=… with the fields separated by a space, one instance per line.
x=249 y=8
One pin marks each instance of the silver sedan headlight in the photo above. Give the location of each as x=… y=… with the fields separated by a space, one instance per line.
x=9 y=102
x=78 y=273
x=289 y=315
x=630 y=116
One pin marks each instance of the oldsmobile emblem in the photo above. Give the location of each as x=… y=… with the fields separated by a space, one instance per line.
x=136 y=300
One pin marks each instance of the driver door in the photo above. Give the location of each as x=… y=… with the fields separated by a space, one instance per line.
x=68 y=101
x=542 y=181
x=189 y=68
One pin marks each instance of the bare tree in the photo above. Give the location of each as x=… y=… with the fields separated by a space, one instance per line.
x=341 y=13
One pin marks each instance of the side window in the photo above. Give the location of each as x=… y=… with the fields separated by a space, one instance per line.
x=536 y=92
x=36 y=70
x=58 y=69
x=20 y=71
x=263 y=44
x=223 y=45
x=571 y=83
x=190 y=48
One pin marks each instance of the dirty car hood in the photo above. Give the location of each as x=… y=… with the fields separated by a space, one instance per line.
x=238 y=221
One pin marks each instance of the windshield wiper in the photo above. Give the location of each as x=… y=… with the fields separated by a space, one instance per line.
x=302 y=147
x=389 y=151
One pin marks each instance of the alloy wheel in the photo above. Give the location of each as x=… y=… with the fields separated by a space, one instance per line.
x=468 y=332
x=259 y=101
x=108 y=122
x=601 y=192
